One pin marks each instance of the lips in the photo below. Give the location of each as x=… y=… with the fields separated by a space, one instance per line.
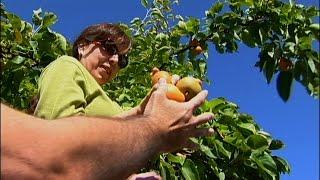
x=106 y=68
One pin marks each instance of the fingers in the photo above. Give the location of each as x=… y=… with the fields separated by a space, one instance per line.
x=175 y=79
x=198 y=100
x=199 y=132
x=161 y=87
x=191 y=145
x=201 y=119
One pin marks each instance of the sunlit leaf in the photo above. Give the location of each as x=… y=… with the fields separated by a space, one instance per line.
x=257 y=141
x=189 y=171
x=18 y=60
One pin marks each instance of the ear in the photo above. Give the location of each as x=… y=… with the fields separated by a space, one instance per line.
x=80 y=51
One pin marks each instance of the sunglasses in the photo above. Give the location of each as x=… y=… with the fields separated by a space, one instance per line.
x=111 y=48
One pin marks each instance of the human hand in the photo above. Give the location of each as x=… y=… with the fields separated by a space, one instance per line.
x=175 y=78
x=174 y=122
x=145 y=176
x=140 y=108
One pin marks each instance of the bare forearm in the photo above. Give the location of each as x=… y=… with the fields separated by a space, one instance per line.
x=77 y=147
x=114 y=149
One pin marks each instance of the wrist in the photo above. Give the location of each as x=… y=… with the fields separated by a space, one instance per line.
x=153 y=133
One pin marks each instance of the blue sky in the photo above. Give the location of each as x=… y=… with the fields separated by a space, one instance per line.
x=233 y=76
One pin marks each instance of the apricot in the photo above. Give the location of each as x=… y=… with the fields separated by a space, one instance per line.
x=189 y=86
x=174 y=93
x=157 y=74
x=197 y=50
x=285 y=64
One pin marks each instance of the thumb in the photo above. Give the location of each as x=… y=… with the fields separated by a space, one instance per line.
x=161 y=87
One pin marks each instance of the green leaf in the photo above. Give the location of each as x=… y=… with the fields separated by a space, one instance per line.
x=162 y=36
x=215 y=9
x=176 y=158
x=282 y=165
x=300 y=72
x=305 y=43
x=246 y=37
x=207 y=151
x=248 y=127
x=276 y=144
x=192 y=25
x=266 y=163
x=315 y=26
x=290 y=46
x=269 y=68
x=220 y=147
x=61 y=42
x=144 y=3
x=49 y=19
x=312 y=66
x=257 y=141
x=213 y=104
x=166 y=171
x=189 y=170
x=222 y=176
x=284 y=84
x=18 y=60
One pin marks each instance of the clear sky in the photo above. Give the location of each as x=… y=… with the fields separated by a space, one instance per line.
x=233 y=76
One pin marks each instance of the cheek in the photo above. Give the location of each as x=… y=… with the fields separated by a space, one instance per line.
x=115 y=71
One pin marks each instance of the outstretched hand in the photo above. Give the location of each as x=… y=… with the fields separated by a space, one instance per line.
x=174 y=121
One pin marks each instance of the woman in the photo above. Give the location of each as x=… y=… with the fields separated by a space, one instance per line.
x=72 y=85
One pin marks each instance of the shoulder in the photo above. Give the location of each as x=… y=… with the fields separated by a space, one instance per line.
x=65 y=62
x=65 y=65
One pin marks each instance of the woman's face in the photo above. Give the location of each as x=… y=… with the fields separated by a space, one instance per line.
x=100 y=62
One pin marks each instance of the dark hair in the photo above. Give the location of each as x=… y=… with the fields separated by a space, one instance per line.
x=101 y=32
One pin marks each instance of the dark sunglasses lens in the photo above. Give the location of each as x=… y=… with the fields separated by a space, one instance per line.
x=110 y=47
x=123 y=61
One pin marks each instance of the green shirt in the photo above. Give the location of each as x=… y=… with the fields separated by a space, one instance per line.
x=66 y=88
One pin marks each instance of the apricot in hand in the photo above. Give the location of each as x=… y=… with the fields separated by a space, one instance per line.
x=157 y=74
x=174 y=93
x=189 y=86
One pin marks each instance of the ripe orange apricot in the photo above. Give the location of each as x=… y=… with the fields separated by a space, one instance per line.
x=174 y=93
x=189 y=86
x=157 y=74
x=197 y=50
x=285 y=64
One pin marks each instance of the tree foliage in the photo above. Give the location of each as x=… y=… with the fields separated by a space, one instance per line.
x=25 y=50
x=240 y=149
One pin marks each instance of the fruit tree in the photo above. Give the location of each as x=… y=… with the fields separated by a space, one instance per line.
x=240 y=149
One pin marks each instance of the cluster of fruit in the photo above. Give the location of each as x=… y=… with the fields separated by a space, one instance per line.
x=180 y=90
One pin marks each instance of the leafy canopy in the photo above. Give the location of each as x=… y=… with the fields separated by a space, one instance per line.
x=240 y=149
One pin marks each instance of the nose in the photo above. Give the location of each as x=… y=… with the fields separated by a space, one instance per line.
x=114 y=59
